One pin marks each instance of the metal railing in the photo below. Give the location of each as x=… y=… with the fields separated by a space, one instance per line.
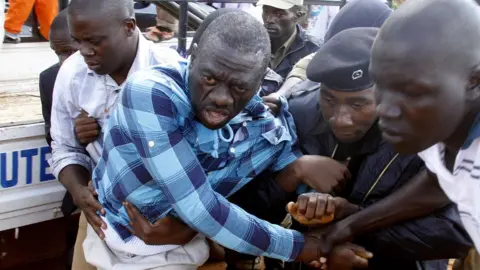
x=191 y=16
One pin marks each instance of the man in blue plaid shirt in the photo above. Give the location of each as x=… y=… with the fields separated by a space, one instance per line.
x=183 y=138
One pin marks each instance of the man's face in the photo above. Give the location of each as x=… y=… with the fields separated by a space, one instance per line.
x=419 y=104
x=102 y=41
x=278 y=22
x=63 y=45
x=222 y=81
x=349 y=114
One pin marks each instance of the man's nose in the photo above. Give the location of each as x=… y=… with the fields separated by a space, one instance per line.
x=221 y=96
x=86 y=50
x=268 y=18
x=388 y=106
x=342 y=118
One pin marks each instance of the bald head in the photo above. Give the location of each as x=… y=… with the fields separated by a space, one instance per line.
x=116 y=9
x=426 y=66
x=441 y=33
x=239 y=31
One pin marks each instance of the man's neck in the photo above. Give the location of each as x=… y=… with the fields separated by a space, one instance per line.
x=120 y=75
x=458 y=138
x=276 y=43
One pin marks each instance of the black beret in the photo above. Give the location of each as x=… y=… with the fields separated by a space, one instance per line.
x=342 y=63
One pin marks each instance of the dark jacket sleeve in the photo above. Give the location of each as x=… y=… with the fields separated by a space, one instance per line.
x=46 y=99
x=437 y=236
x=264 y=198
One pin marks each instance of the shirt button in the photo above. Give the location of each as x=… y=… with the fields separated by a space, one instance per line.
x=151 y=144
x=232 y=150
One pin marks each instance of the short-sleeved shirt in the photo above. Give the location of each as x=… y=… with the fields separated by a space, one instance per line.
x=463 y=185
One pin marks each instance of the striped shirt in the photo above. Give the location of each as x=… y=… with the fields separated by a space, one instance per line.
x=463 y=186
x=159 y=158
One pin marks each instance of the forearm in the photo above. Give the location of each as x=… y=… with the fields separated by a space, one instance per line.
x=287 y=86
x=420 y=196
x=436 y=236
x=73 y=177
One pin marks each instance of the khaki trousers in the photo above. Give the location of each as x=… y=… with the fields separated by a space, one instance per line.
x=79 y=262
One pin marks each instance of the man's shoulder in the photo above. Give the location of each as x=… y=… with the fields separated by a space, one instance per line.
x=51 y=71
x=310 y=45
x=162 y=55
x=73 y=66
x=159 y=80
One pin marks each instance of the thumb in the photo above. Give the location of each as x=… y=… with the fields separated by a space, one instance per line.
x=360 y=251
x=292 y=208
x=360 y=262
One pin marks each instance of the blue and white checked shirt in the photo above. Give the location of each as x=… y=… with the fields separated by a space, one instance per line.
x=159 y=158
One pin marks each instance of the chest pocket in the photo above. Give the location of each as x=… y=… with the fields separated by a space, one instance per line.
x=262 y=151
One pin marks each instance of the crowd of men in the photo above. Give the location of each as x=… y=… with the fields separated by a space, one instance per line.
x=265 y=149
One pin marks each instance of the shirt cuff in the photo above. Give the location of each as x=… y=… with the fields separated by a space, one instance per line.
x=288 y=248
x=61 y=160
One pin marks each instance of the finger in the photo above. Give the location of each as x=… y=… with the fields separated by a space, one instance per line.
x=270 y=99
x=315 y=264
x=273 y=107
x=360 y=251
x=292 y=208
x=84 y=120
x=324 y=266
x=135 y=215
x=93 y=203
x=302 y=202
x=330 y=209
x=87 y=129
x=321 y=205
x=311 y=207
x=360 y=262
x=92 y=189
x=96 y=222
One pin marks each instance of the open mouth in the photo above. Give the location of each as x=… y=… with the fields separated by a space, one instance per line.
x=215 y=117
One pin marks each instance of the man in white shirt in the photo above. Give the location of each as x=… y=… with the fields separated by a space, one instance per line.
x=111 y=48
x=426 y=64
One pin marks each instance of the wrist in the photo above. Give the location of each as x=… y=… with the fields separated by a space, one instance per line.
x=312 y=250
x=290 y=177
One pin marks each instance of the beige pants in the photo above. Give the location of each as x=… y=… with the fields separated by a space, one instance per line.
x=187 y=257
x=79 y=262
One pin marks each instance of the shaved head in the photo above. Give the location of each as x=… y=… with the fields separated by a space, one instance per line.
x=107 y=35
x=438 y=32
x=117 y=9
x=425 y=62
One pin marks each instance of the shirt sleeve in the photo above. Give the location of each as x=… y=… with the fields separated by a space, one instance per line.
x=66 y=150
x=149 y=119
x=291 y=149
x=299 y=70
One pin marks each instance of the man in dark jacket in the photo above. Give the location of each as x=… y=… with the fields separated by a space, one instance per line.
x=289 y=43
x=345 y=129
x=63 y=46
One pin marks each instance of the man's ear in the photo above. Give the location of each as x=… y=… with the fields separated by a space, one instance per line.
x=130 y=26
x=473 y=87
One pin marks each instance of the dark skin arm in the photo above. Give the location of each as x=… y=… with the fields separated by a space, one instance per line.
x=165 y=231
x=75 y=179
x=320 y=173
x=419 y=197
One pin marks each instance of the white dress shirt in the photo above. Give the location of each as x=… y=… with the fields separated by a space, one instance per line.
x=78 y=88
